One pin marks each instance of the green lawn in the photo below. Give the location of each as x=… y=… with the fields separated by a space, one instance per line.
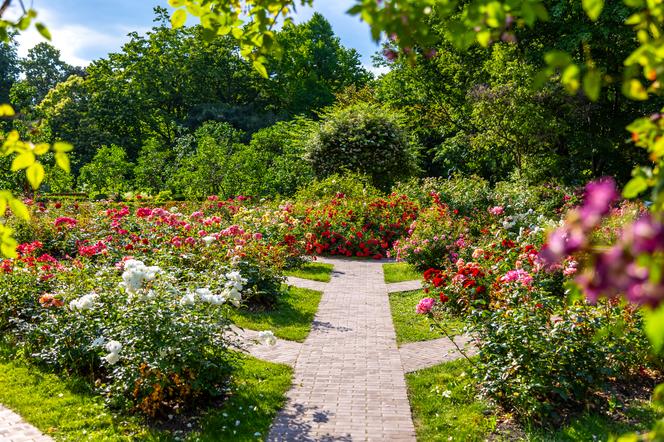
x=291 y=318
x=400 y=271
x=445 y=407
x=410 y=326
x=66 y=409
x=316 y=271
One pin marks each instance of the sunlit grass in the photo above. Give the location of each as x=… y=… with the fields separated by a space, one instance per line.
x=410 y=326
x=290 y=319
x=399 y=272
x=315 y=271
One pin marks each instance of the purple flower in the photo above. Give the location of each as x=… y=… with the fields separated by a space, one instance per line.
x=597 y=203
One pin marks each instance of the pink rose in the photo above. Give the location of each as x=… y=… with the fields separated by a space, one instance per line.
x=425 y=305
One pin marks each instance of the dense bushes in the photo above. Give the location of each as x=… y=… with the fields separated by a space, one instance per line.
x=136 y=299
x=363 y=139
x=542 y=354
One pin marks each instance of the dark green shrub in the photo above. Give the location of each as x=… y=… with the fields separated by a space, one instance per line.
x=363 y=139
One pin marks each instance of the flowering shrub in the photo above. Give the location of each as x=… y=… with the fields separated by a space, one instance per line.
x=135 y=297
x=539 y=356
x=149 y=346
x=354 y=226
x=435 y=239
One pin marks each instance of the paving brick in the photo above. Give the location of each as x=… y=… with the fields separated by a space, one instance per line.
x=13 y=428
x=352 y=353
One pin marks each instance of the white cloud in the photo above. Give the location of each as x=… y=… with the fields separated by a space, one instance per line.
x=78 y=44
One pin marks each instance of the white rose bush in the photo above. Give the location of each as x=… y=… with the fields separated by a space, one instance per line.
x=141 y=313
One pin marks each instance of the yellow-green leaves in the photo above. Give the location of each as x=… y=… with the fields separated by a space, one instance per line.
x=179 y=18
x=593 y=8
x=6 y=111
x=635 y=186
x=654 y=326
x=43 y=30
x=23 y=161
x=633 y=89
x=27 y=153
x=35 y=174
x=592 y=84
x=7 y=243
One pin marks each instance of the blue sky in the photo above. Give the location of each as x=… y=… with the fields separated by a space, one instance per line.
x=85 y=30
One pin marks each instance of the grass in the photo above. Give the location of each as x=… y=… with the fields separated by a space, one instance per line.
x=445 y=407
x=290 y=319
x=399 y=272
x=315 y=271
x=410 y=326
x=67 y=410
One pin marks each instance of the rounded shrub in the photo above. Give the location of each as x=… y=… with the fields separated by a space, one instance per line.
x=364 y=139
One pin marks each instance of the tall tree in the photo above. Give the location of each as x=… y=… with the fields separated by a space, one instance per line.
x=314 y=66
x=9 y=69
x=43 y=69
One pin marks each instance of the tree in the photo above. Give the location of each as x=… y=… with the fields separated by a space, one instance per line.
x=9 y=68
x=314 y=66
x=108 y=172
x=205 y=161
x=43 y=69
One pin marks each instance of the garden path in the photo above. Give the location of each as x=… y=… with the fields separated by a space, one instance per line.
x=349 y=380
x=14 y=429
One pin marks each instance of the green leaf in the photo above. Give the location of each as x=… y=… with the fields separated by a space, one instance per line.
x=260 y=68
x=557 y=59
x=176 y=3
x=21 y=161
x=43 y=30
x=41 y=148
x=8 y=248
x=62 y=160
x=178 y=18
x=484 y=38
x=35 y=174
x=592 y=84
x=6 y=110
x=62 y=147
x=19 y=209
x=570 y=78
x=635 y=186
x=654 y=326
x=635 y=90
x=593 y=8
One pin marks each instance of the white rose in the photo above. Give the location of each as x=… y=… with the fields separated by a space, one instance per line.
x=112 y=358
x=267 y=337
x=113 y=347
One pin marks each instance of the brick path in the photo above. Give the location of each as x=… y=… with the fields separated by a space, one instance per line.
x=14 y=429
x=349 y=380
x=418 y=355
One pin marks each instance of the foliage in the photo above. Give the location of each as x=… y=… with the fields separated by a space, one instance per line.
x=361 y=139
x=349 y=185
x=108 y=172
x=539 y=360
x=206 y=162
x=154 y=333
